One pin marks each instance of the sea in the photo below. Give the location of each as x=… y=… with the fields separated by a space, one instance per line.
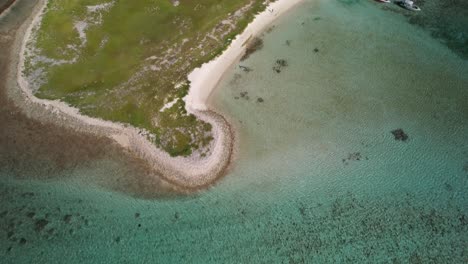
x=352 y=147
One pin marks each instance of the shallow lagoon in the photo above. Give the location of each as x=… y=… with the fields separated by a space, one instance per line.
x=319 y=176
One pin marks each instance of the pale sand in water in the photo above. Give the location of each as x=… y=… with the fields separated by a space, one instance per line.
x=191 y=172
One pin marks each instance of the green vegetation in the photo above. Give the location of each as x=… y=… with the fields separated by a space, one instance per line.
x=126 y=60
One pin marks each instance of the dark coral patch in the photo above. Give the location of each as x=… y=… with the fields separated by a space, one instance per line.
x=399 y=134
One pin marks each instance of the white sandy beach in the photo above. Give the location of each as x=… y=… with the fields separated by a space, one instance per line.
x=190 y=172
x=203 y=80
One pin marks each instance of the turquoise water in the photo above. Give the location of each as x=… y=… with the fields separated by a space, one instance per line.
x=319 y=177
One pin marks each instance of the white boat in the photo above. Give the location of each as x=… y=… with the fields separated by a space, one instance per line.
x=408 y=4
x=383 y=1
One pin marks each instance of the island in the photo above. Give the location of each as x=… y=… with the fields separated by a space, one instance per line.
x=140 y=73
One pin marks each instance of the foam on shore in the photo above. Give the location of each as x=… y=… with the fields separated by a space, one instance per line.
x=186 y=172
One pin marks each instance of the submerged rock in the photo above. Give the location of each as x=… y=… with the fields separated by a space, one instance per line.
x=252 y=46
x=3 y=214
x=399 y=134
x=355 y=156
x=245 y=68
x=51 y=231
x=279 y=65
x=67 y=218
x=22 y=241
x=30 y=214
x=27 y=194
x=282 y=62
x=448 y=187
x=40 y=224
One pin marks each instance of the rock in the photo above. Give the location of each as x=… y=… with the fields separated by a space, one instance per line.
x=399 y=134
x=245 y=68
x=67 y=218
x=30 y=214
x=302 y=211
x=137 y=215
x=282 y=62
x=3 y=214
x=260 y=100
x=51 y=231
x=22 y=241
x=354 y=156
x=448 y=187
x=40 y=224
x=270 y=29
x=279 y=65
x=316 y=50
x=27 y=194
x=252 y=45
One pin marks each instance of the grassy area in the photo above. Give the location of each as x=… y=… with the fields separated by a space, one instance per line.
x=124 y=60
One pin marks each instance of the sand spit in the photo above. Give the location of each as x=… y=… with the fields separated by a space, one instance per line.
x=186 y=172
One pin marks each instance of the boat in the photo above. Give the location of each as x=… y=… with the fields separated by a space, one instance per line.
x=383 y=1
x=408 y=4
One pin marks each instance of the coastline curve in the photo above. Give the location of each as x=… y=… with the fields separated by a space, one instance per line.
x=189 y=173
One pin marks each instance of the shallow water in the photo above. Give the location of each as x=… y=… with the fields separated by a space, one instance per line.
x=319 y=176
